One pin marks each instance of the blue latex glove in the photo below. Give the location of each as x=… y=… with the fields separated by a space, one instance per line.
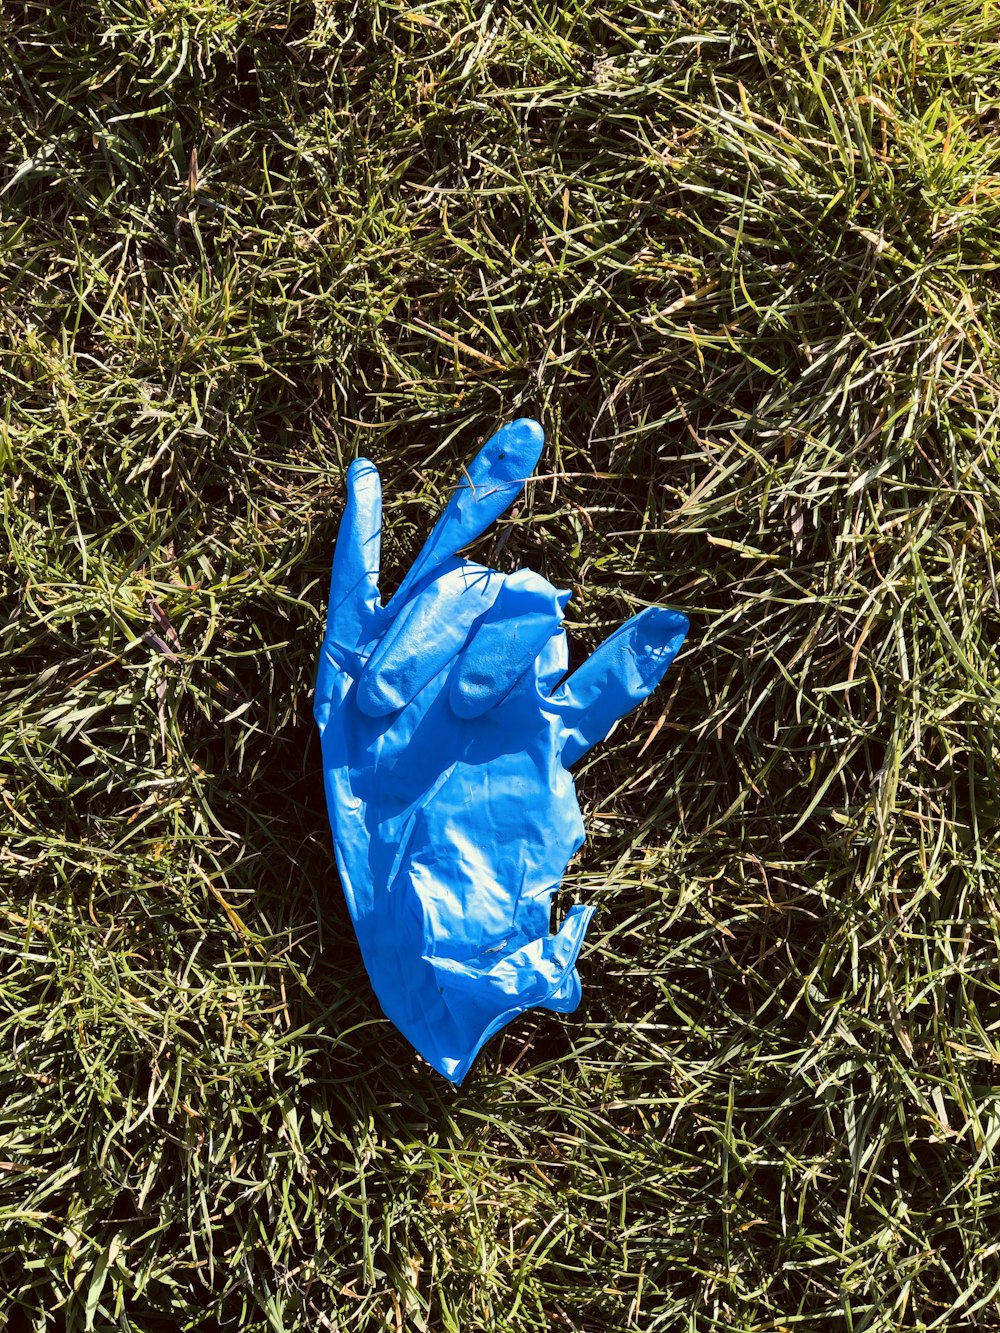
x=447 y=740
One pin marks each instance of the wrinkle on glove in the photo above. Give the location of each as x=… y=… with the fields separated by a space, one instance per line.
x=448 y=730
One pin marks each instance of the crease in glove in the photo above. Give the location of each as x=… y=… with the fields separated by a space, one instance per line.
x=448 y=728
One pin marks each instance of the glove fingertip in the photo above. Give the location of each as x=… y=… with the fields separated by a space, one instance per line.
x=505 y=462
x=525 y=434
x=364 y=490
x=373 y=699
x=360 y=467
x=659 y=630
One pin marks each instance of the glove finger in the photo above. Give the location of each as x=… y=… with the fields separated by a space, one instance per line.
x=491 y=483
x=354 y=580
x=431 y=629
x=617 y=677
x=525 y=615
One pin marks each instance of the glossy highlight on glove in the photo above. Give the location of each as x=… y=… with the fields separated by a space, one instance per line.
x=448 y=725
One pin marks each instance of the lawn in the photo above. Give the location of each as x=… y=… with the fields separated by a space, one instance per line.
x=741 y=259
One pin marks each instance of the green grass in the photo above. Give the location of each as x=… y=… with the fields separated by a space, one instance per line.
x=741 y=259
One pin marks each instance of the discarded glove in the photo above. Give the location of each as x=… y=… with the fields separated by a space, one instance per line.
x=447 y=740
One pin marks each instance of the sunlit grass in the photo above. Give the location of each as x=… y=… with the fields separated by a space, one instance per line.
x=741 y=260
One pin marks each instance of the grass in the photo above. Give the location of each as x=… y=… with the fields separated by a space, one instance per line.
x=741 y=260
